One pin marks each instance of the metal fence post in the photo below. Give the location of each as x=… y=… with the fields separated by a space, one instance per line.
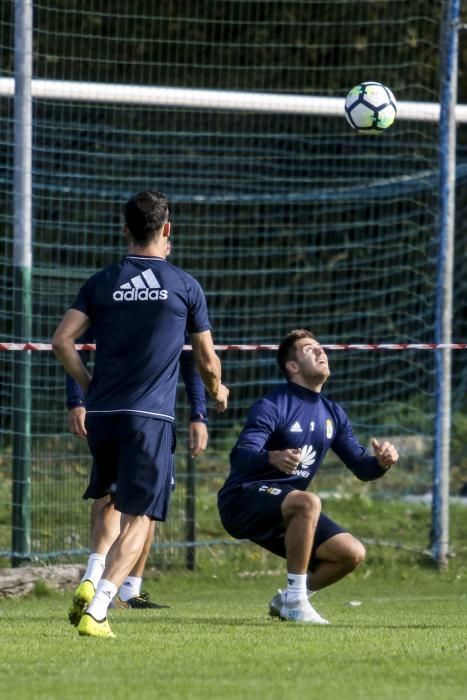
x=444 y=292
x=22 y=262
x=190 y=512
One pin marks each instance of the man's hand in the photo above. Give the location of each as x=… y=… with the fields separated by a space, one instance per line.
x=286 y=461
x=76 y=418
x=197 y=437
x=386 y=454
x=221 y=398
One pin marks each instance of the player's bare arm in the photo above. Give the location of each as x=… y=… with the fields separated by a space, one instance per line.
x=73 y=325
x=209 y=367
x=386 y=453
x=285 y=460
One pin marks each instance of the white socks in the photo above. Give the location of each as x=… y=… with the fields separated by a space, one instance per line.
x=130 y=588
x=94 y=569
x=296 y=587
x=98 y=606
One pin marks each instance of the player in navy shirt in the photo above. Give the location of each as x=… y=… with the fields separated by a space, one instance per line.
x=105 y=520
x=140 y=310
x=279 y=451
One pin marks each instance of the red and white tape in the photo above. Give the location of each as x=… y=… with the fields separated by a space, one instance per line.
x=40 y=347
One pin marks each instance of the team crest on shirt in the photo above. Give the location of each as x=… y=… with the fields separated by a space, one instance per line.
x=329 y=428
x=143 y=287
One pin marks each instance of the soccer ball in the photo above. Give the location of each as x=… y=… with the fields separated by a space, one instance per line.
x=370 y=108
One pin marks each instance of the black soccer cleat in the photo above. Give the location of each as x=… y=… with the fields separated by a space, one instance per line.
x=140 y=601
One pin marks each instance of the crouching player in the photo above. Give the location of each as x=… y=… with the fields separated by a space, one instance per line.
x=264 y=499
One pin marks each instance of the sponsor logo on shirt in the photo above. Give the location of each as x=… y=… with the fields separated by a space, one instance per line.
x=143 y=287
x=296 y=428
x=329 y=428
x=307 y=455
x=307 y=458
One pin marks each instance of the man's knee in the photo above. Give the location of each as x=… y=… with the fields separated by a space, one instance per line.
x=343 y=549
x=302 y=503
x=355 y=553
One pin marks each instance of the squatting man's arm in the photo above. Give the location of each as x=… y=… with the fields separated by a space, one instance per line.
x=288 y=460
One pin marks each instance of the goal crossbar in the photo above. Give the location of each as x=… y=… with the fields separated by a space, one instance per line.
x=224 y=100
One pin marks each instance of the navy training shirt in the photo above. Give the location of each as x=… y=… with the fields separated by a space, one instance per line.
x=140 y=310
x=294 y=417
x=194 y=386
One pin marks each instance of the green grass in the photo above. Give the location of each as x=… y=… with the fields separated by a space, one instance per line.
x=406 y=640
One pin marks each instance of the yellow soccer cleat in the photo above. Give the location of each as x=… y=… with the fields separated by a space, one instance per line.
x=89 y=627
x=81 y=599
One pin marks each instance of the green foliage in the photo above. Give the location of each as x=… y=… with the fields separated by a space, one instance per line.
x=242 y=34
x=42 y=590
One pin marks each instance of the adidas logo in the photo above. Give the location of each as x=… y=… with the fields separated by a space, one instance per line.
x=296 y=428
x=143 y=287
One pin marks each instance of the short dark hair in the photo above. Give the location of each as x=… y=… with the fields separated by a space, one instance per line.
x=287 y=351
x=145 y=214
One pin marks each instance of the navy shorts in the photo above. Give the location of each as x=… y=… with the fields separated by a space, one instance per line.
x=254 y=513
x=136 y=454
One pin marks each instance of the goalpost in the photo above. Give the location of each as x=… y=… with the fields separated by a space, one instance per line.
x=25 y=89
x=152 y=95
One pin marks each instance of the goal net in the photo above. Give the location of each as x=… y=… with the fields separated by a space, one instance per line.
x=288 y=219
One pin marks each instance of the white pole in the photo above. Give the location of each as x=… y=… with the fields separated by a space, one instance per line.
x=22 y=263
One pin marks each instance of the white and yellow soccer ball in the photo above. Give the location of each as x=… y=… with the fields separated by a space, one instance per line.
x=370 y=108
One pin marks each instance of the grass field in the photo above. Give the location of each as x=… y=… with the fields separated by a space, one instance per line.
x=407 y=639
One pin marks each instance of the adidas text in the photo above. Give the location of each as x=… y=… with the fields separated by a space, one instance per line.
x=140 y=295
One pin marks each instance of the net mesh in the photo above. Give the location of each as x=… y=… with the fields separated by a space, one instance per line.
x=287 y=221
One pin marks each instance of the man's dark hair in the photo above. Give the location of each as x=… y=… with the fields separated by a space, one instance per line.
x=287 y=351
x=145 y=214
